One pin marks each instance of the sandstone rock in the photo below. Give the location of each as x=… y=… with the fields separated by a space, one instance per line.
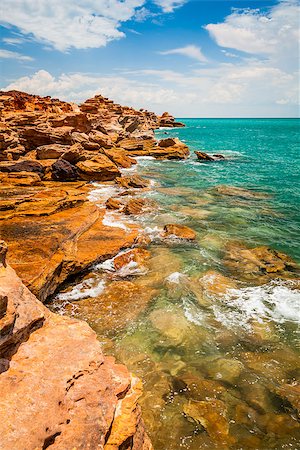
x=138 y=206
x=167 y=120
x=224 y=369
x=119 y=157
x=259 y=262
x=66 y=236
x=20 y=179
x=179 y=231
x=133 y=181
x=214 y=283
x=99 y=168
x=291 y=393
x=168 y=142
x=69 y=405
x=22 y=166
x=51 y=151
x=212 y=415
x=114 y=203
x=197 y=388
x=234 y=191
x=137 y=256
x=63 y=171
x=204 y=156
x=174 y=327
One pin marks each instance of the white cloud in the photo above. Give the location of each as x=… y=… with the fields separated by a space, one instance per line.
x=7 y=54
x=78 y=87
x=13 y=41
x=190 y=51
x=169 y=5
x=274 y=35
x=70 y=23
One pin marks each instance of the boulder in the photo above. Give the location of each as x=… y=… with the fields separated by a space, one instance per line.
x=133 y=181
x=100 y=168
x=204 y=156
x=114 y=203
x=179 y=231
x=119 y=157
x=138 y=206
x=63 y=171
x=137 y=256
x=51 y=151
x=20 y=178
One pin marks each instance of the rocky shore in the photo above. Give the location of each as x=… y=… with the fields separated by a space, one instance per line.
x=58 y=389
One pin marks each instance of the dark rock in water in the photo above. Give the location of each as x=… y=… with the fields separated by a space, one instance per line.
x=204 y=156
x=64 y=171
x=219 y=156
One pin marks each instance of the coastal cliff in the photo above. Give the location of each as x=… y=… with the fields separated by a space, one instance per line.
x=59 y=390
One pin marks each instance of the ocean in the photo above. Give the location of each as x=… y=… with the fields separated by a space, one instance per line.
x=216 y=348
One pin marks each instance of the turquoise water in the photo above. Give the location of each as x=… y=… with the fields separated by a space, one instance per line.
x=218 y=352
x=264 y=155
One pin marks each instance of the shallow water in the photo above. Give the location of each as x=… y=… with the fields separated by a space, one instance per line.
x=214 y=348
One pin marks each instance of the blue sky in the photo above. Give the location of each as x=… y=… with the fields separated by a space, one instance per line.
x=193 y=58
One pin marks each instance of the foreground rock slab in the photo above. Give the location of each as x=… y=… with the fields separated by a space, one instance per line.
x=57 y=388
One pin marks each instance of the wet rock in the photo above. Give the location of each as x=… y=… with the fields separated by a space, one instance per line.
x=291 y=393
x=114 y=203
x=168 y=142
x=211 y=415
x=138 y=206
x=136 y=256
x=204 y=156
x=173 y=326
x=66 y=236
x=234 y=191
x=78 y=402
x=214 y=283
x=142 y=240
x=179 y=231
x=63 y=171
x=133 y=181
x=259 y=262
x=224 y=369
x=99 y=168
x=198 y=388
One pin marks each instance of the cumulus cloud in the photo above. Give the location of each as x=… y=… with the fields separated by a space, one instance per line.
x=76 y=23
x=78 y=87
x=7 y=54
x=191 y=51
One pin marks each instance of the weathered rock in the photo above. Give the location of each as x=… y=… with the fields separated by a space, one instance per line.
x=69 y=405
x=167 y=120
x=22 y=166
x=20 y=178
x=137 y=256
x=259 y=262
x=51 y=151
x=63 y=171
x=114 y=203
x=119 y=157
x=133 y=181
x=179 y=231
x=212 y=415
x=66 y=236
x=99 y=168
x=204 y=156
x=138 y=206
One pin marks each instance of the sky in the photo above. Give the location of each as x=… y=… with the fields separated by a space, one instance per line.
x=217 y=58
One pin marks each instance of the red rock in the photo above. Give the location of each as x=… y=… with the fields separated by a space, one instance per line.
x=99 y=168
x=180 y=231
x=136 y=255
x=22 y=166
x=204 y=156
x=113 y=203
x=133 y=181
x=138 y=206
x=63 y=171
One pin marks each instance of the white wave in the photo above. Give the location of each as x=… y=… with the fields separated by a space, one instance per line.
x=175 y=277
x=88 y=288
x=153 y=232
x=141 y=158
x=102 y=193
x=276 y=301
x=111 y=220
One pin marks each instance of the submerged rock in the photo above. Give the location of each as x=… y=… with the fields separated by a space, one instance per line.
x=234 y=191
x=133 y=181
x=137 y=256
x=179 y=231
x=224 y=369
x=211 y=415
x=139 y=206
x=259 y=262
